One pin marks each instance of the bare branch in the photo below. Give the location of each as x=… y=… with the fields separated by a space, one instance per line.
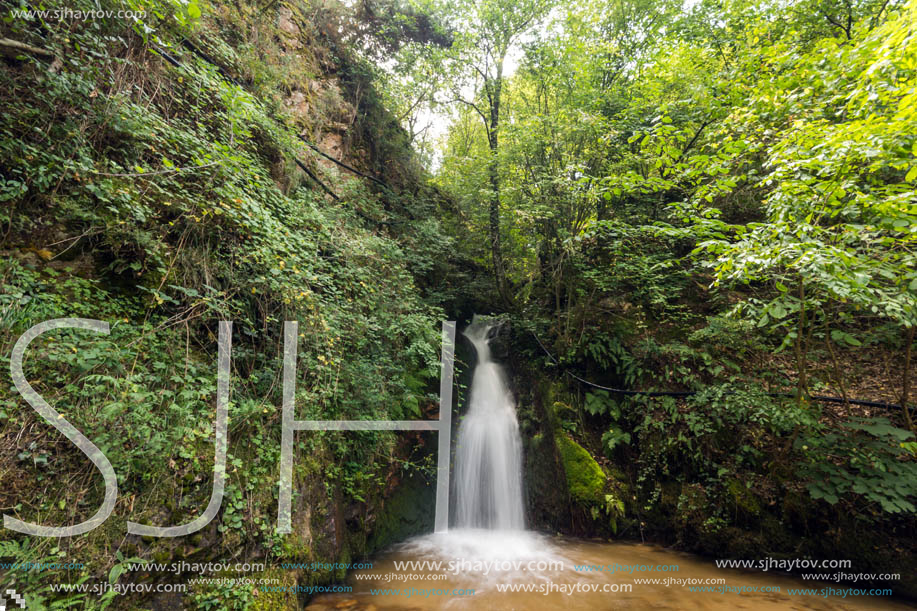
x=474 y=106
x=15 y=44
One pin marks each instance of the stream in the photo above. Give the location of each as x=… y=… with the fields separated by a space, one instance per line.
x=434 y=589
x=488 y=552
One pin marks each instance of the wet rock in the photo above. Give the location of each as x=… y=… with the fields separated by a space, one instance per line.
x=501 y=342
x=298 y=104
x=286 y=24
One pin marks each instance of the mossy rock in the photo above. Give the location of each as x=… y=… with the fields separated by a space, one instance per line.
x=560 y=409
x=734 y=542
x=746 y=503
x=797 y=508
x=409 y=511
x=276 y=600
x=547 y=504
x=669 y=495
x=585 y=478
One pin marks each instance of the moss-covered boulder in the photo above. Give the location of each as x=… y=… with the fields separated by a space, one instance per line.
x=585 y=478
x=745 y=504
x=281 y=597
x=409 y=511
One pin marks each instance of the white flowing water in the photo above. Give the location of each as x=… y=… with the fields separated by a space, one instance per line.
x=488 y=451
x=472 y=565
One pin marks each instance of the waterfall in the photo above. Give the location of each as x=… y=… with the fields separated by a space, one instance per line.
x=488 y=453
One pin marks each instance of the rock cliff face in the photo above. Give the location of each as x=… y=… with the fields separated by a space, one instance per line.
x=159 y=176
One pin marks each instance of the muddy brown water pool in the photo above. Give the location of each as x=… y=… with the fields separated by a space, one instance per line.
x=491 y=564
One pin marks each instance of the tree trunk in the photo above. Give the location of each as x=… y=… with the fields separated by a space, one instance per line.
x=906 y=382
x=838 y=374
x=496 y=248
x=801 y=347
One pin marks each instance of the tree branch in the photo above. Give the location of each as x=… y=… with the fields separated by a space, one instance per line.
x=835 y=23
x=696 y=135
x=21 y=46
x=475 y=106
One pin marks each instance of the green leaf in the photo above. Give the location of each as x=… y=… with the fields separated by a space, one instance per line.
x=777 y=310
x=116 y=571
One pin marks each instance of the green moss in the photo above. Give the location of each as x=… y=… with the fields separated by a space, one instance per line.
x=344 y=560
x=745 y=500
x=296 y=547
x=281 y=601
x=409 y=511
x=585 y=478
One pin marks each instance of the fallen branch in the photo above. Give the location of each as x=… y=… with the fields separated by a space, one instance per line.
x=342 y=164
x=312 y=175
x=21 y=46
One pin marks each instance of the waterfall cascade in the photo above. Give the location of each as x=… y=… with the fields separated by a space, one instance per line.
x=490 y=549
x=488 y=453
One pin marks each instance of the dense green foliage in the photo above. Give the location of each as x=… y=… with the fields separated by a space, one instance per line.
x=686 y=193
x=163 y=198
x=717 y=199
